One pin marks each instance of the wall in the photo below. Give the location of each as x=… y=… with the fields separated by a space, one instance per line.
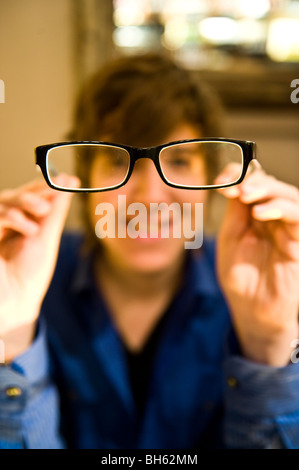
x=37 y=65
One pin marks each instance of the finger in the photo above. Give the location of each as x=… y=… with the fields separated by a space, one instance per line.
x=235 y=211
x=35 y=204
x=60 y=204
x=22 y=209
x=38 y=185
x=35 y=197
x=286 y=240
x=228 y=175
x=277 y=209
x=15 y=220
x=259 y=187
x=281 y=210
x=33 y=193
x=232 y=173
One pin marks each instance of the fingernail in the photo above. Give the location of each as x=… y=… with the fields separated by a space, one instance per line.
x=250 y=193
x=232 y=192
x=222 y=179
x=270 y=214
x=66 y=181
x=74 y=181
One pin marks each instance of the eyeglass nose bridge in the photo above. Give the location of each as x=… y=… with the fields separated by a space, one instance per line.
x=151 y=153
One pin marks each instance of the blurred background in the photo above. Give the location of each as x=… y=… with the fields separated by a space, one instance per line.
x=247 y=49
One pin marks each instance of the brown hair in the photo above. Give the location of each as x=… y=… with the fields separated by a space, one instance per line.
x=139 y=100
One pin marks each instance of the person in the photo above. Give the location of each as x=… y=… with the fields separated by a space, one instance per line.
x=139 y=343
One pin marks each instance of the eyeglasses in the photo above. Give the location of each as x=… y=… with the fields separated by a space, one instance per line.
x=187 y=164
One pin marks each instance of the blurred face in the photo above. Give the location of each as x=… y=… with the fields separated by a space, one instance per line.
x=143 y=240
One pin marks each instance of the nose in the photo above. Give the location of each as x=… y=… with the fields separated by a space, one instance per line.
x=146 y=185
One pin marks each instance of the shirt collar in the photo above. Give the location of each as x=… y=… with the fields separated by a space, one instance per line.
x=202 y=268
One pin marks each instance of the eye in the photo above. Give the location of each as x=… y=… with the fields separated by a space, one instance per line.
x=119 y=162
x=179 y=161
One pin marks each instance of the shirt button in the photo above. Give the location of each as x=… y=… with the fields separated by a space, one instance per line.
x=13 y=392
x=232 y=382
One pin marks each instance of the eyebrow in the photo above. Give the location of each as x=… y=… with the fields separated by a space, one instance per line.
x=185 y=149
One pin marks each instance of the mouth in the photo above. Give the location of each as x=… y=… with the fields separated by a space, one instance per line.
x=146 y=230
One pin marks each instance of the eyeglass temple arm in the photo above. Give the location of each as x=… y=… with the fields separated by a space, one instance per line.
x=51 y=168
x=254 y=164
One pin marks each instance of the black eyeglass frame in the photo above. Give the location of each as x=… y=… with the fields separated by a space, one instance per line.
x=153 y=153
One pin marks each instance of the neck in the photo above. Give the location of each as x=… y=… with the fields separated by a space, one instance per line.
x=140 y=284
x=137 y=300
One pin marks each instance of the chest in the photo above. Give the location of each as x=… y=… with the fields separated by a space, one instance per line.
x=184 y=389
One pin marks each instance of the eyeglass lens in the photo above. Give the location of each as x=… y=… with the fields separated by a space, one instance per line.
x=188 y=164
x=110 y=164
x=200 y=163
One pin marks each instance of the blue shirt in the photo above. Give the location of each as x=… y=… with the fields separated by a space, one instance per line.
x=72 y=387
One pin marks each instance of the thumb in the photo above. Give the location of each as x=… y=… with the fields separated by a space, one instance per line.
x=235 y=220
x=53 y=224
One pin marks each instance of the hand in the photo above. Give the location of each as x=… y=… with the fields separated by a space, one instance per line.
x=31 y=222
x=258 y=265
